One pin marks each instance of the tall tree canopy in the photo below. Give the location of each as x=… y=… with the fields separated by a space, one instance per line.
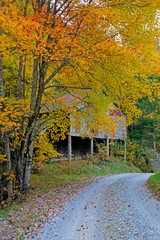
x=48 y=48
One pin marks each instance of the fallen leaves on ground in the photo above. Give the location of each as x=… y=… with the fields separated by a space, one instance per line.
x=31 y=216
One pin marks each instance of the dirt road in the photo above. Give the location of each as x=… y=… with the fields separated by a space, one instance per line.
x=114 y=207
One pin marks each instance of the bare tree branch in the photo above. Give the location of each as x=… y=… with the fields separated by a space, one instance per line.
x=63 y=64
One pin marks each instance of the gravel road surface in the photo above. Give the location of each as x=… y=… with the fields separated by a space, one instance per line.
x=113 y=207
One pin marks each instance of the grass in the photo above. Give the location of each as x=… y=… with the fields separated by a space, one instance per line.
x=154 y=183
x=52 y=185
x=55 y=175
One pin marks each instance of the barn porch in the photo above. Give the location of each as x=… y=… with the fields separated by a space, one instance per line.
x=75 y=147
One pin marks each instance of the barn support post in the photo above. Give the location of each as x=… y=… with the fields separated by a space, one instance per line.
x=125 y=150
x=69 y=148
x=107 y=144
x=92 y=147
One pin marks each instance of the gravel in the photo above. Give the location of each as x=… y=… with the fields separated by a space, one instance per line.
x=113 y=207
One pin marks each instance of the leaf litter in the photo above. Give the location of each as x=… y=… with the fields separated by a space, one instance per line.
x=25 y=222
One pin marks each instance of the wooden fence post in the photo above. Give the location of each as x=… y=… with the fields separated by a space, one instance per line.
x=69 y=148
x=107 y=143
x=92 y=146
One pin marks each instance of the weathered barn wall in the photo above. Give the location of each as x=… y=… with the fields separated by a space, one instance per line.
x=75 y=146
x=117 y=130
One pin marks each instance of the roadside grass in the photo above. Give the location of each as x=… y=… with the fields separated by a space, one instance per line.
x=48 y=189
x=59 y=174
x=154 y=183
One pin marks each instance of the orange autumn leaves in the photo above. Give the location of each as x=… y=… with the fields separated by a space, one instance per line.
x=106 y=44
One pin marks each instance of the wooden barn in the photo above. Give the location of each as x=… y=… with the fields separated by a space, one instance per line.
x=78 y=145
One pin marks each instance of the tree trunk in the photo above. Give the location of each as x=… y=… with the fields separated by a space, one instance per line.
x=31 y=130
x=20 y=70
x=28 y=160
x=24 y=159
x=6 y=185
x=19 y=167
x=34 y=84
x=1 y=77
x=24 y=74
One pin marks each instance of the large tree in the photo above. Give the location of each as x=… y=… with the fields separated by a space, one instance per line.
x=96 y=45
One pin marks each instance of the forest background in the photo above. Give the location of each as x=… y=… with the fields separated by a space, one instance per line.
x=103 y=52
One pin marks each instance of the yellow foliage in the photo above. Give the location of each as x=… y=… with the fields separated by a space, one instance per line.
x=107 y=45
x=11 y=112
x=43 y=150
x=3 y=158
x=110 y=49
